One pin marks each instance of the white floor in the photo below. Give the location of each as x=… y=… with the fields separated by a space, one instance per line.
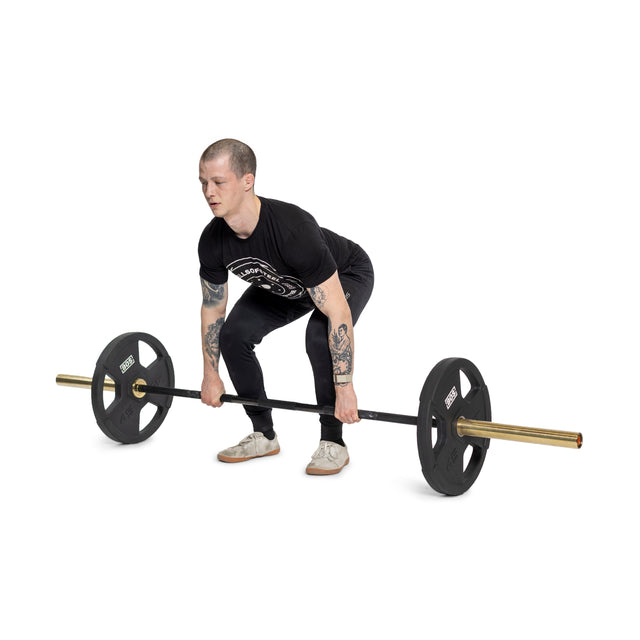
x=160 y=539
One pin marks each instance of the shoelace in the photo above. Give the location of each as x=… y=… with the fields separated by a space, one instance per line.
x=324 y=450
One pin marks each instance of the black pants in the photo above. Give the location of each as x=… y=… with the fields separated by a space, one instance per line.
x=259 y=312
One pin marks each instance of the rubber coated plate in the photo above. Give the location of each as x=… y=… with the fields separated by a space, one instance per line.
x=122 y=417
x=451 y=463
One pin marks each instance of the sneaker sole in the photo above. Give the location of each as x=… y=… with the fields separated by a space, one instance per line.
x=223 y=458
x=326 y=472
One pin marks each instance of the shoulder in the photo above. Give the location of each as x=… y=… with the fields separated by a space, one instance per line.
x=213 y=230
x=285 y=213
x=213 y=227
x=211 y=237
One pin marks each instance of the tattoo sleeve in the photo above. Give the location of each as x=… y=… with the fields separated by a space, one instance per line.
x=341 y=350
x=319 y=297
x=212 y=342
x=329 y=299
x=212 y=294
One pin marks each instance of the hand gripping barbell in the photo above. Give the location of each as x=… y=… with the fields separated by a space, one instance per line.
x=453 y=429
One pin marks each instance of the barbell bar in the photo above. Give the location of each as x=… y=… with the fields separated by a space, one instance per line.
x=464 y=427
x=448 y=422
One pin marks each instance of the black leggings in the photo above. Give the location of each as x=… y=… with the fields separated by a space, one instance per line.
x=259 y=312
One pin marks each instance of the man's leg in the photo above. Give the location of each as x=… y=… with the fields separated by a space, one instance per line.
x=255 y=315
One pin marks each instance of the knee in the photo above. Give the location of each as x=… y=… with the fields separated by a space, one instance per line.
x=234 y=339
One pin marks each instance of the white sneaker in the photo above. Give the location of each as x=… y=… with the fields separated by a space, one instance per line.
x=328 y=459
x=255 y=445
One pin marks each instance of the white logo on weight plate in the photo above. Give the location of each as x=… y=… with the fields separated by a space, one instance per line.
x=129 y=362
x=450 y=399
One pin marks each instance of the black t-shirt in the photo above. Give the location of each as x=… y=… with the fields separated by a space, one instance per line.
x=286 y=253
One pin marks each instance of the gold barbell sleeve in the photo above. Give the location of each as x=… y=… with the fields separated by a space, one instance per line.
x=82 y=382
x=482 y=429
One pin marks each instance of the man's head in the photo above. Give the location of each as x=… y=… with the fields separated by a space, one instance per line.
x=242 y=160
x=227 y=175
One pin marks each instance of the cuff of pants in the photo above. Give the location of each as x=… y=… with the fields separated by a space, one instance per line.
x=330 y=428
x=260 y=418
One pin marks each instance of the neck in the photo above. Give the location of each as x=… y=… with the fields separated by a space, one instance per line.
x=245 y=220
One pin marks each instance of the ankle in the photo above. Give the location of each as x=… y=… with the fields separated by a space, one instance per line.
x=339 y=441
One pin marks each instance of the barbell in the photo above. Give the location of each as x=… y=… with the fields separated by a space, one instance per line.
x=453 y=428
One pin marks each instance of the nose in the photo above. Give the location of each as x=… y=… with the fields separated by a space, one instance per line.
x=209 y=191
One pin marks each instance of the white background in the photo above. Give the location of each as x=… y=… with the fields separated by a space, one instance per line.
x=485 y=154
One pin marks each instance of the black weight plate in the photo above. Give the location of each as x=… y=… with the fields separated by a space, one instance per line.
x=442 y=451
x=120 y=361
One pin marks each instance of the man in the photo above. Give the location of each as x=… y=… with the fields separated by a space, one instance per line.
x=294 y=268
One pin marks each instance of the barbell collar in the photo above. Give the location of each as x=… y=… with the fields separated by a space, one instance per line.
x=280 y=404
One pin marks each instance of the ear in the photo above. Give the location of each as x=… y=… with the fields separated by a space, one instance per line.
x=249 y=180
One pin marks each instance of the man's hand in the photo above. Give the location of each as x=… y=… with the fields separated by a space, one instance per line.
x=212 y=389
x=346 y=404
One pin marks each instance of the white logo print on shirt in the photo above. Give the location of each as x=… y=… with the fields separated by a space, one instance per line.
x=262 y=274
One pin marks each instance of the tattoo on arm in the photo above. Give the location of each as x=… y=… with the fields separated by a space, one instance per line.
x=341 y=351
x=212 y=294
x=212 y=342
x=319 y=296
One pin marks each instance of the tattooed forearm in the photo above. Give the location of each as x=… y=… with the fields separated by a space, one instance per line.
x=212 y=294
x=331 y=300
x=341 y=351
x=212 y=342
x=319 y=296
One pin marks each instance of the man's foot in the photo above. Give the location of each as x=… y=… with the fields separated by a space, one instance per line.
x=328 y=459
x=255 y=445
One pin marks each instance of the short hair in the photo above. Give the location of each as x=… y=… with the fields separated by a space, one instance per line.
x=242 y=160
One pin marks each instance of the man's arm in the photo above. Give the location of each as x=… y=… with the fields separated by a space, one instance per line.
x=214 y=308
x=330 y=299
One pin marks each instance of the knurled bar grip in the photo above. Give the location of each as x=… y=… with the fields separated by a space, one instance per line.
x=280 y=404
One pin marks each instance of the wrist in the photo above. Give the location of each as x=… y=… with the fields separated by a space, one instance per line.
x=340 y=379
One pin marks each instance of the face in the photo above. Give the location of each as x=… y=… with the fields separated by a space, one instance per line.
x=222 y=189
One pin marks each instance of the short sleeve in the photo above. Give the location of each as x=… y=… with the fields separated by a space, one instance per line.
x=307 y=253
x=212 y=267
